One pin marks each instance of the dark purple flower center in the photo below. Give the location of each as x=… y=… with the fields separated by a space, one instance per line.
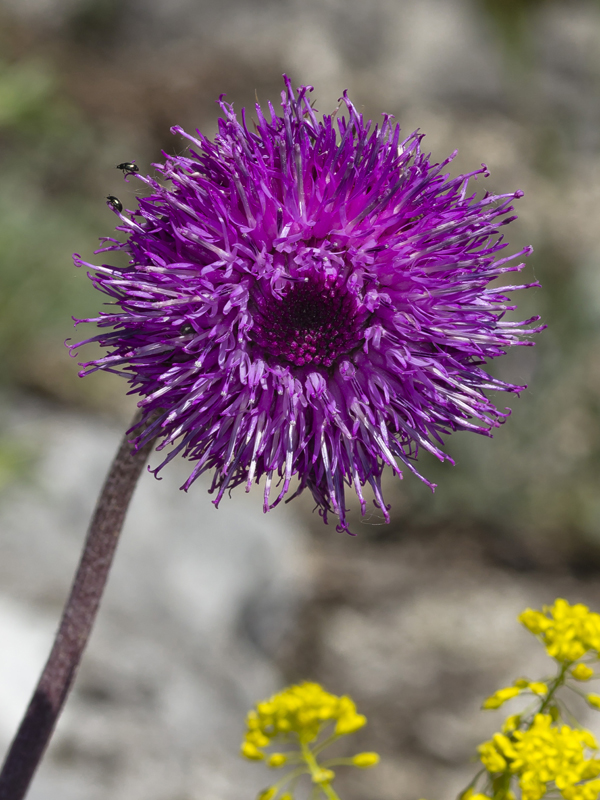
x=314 y=322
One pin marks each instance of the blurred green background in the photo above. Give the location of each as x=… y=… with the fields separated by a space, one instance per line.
x=85 y=84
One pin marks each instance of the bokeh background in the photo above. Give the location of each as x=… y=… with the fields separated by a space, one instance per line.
x=207 y=611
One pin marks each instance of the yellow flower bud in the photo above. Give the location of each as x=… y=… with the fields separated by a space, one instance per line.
x=323 y=776
x=286 y=796
x=257 y=738
x=267 y=794
x=537 y=687
x=365 y=760
x=471 y=795
x=252 y=721
x=534 y=621
x=251 y=752
x=582 y=672
x=277 y=760
x=588 y=738
x=500 y=697
x=511 y=723
x=504 y=745
x=591 y=769
x=491 y=758
x=594 y=700
x=350 y=723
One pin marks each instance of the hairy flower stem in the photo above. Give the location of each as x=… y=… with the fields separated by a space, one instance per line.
x=76 y=624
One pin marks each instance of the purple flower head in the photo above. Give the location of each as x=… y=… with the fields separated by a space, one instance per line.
x=308 y=299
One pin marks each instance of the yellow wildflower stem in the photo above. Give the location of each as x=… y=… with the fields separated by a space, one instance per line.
x=290 y=777
x=315 y=769
x=329 y=791
x=326 y=742
x=558 y=682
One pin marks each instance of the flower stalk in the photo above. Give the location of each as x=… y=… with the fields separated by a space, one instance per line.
x=78 y=618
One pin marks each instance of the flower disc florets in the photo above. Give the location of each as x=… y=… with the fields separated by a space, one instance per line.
x=308 y=299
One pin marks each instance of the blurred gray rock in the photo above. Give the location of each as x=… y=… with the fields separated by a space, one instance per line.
x=198 y=603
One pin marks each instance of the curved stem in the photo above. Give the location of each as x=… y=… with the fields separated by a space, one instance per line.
x=79 y=614
x=326 y=742
x=315 y=768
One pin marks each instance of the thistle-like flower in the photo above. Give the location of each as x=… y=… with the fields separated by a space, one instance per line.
x=308 y=299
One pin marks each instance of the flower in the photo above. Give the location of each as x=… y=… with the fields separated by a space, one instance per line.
x=500 y=697
x=301 y=711
x=583 y=791
x=309 y=300
x=594 y=700
x=276 y=760
x=538 y=687
x=567 y=631
x=520 y=685
x=542 y=754
x=511 y=723
x=365 y=760
x=309 y=719
x=582 y=672
x=491 y=759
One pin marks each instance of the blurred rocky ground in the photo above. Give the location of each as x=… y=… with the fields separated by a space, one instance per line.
x=198 y=604
x=209 y=610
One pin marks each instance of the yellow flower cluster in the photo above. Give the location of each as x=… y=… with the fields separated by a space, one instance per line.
x=543 y=754
x=302 y=710
x=299 y=714
x=567 y=631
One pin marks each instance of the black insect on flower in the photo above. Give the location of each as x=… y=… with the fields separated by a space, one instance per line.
x=114 y=203
x=128 y=168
